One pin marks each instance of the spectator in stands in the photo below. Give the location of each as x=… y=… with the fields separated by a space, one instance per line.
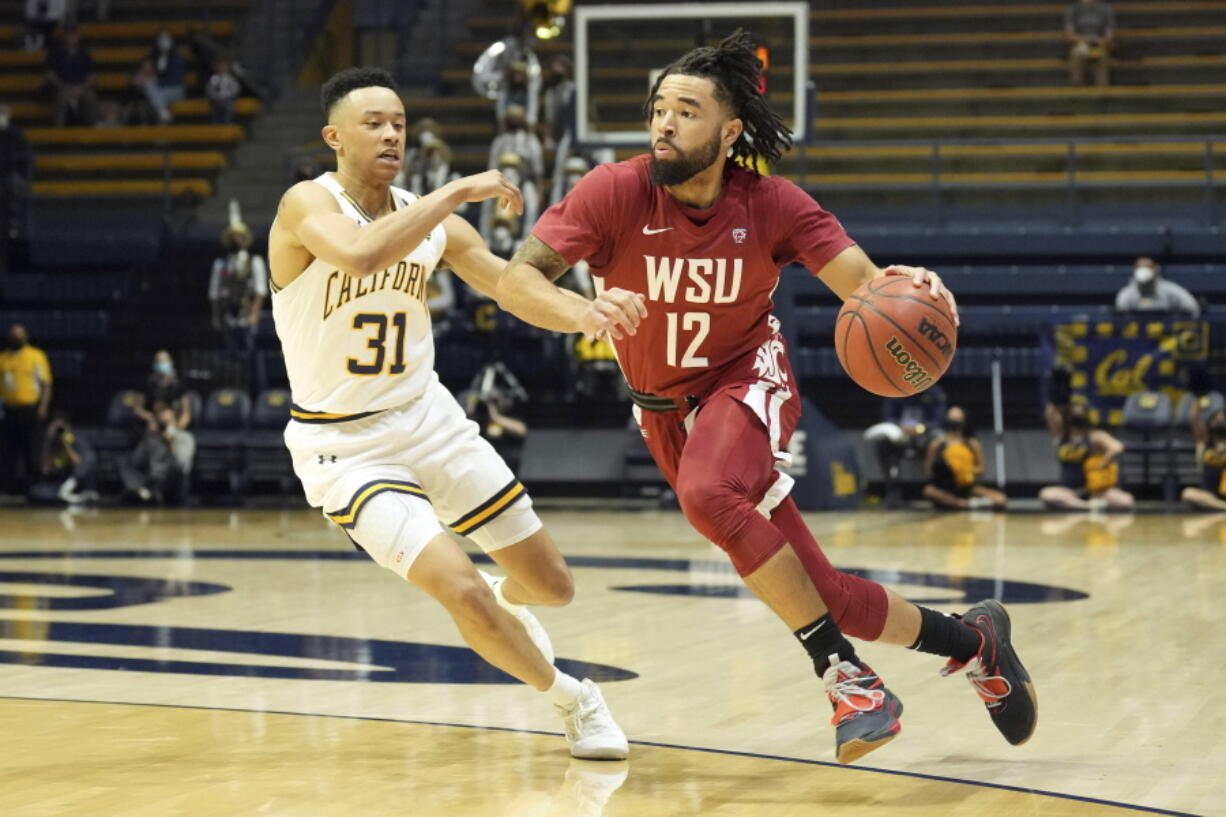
x=954 y=463
x=518 y=137
x=70 y=72
x=206 y=51
x=237 y=289
x=427 y=161
x=69 y=466
x=512 y=166
x=222 y=90
x=164 y=390
x=152 y=473
x=521 y=86
x=136 y=107
x=571 y=171
x=1089 y=26
x=558 y=105
x=1089 y=471
x=167 y=87
x=907 y=424
x=15 y=166
x=25 y=387
x=1211 y=454
x=42 y=18
x=1148 y=291
x=504 y=236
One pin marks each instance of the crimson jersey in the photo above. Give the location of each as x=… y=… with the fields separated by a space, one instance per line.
x=708 y=275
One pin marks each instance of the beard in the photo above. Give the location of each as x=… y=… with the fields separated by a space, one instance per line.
x=667 y=172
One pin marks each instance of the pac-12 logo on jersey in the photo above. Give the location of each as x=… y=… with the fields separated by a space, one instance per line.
x=739 y=234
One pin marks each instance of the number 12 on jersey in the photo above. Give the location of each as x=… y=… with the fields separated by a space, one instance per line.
x=378 y=342
x=697 y=322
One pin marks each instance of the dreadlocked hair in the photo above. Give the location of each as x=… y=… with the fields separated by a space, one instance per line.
x=734 y=68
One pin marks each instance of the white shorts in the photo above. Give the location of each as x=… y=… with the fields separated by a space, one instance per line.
x=394 y=479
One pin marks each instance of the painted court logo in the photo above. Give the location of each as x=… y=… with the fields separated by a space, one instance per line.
x=913 y=373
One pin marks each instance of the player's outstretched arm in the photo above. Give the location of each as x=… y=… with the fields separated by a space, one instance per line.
x=470 y=257
x=526 y=290
x=852 y=268
x=310 y=214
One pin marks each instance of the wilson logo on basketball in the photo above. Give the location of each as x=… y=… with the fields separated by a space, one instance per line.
x=939 y=339
x=913 y=373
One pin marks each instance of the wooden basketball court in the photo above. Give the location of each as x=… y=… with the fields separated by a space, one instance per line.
x=252 y=663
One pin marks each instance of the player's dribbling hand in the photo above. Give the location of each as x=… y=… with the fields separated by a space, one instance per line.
x=491 y=184
x=920 y=277
x=613 y=312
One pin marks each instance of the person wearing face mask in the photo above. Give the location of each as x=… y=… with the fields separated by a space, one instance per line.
x=512 y=166
x=1148 y=291
x=238 y=287
x=954 y=464
x=25 y=388
x=166 y=87
x=427 y=161
x=165 y=410
x=521 y=88
x=519 y=138
x=566 y=176
x=153 y=472
x=1089 y=468
x=1211 y=454
x=558 y=103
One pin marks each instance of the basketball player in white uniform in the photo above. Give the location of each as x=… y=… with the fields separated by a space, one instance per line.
x=379 y=444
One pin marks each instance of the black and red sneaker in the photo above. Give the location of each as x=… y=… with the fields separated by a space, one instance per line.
x=865 y=712
x=997 y=674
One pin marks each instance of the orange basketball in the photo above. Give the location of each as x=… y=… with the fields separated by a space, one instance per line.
x=893 y=338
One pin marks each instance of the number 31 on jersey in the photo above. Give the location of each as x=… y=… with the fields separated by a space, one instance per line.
x=376 y=341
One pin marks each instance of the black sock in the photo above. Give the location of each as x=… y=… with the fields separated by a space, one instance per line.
x=945 y=635
x=822 y=639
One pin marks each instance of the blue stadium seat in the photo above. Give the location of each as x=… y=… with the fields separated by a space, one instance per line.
x=219 y=440
x=266 y=459
x=1146 y=434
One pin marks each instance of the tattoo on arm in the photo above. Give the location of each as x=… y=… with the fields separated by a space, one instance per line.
x=540 y=255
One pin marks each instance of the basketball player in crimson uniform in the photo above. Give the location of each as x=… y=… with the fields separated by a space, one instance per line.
x=687 y=249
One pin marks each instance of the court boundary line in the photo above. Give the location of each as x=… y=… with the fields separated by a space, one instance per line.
x=655 y=744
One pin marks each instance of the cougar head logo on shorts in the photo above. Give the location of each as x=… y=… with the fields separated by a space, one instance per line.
x=912 y=372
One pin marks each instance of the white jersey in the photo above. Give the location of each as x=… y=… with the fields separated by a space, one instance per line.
x=358 y=345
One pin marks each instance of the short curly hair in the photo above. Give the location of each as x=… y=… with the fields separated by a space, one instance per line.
x=343 y=82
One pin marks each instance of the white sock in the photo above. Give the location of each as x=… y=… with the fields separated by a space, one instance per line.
x=502 y=600
x=565 y=690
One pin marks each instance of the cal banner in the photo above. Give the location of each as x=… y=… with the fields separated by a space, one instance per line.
x=824 y=464
x=1110 y=360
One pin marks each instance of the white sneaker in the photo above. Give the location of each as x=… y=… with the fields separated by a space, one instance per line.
x=590 y=728
x=535 y=630
x=979 y=502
